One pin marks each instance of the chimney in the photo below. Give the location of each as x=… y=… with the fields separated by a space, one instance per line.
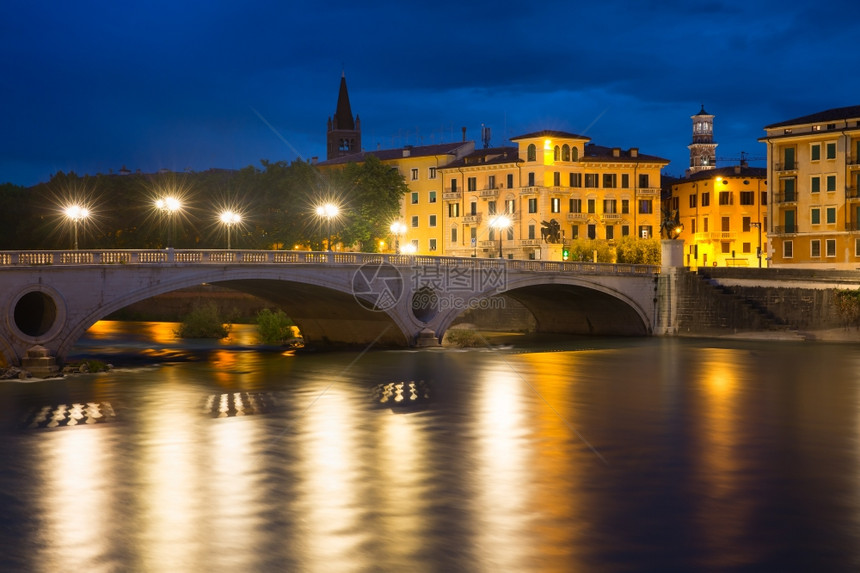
x=464 y=134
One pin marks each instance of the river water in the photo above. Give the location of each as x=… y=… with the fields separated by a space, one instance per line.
x=649 y=454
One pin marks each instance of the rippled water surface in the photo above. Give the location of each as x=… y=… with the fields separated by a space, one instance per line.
x=575 y=455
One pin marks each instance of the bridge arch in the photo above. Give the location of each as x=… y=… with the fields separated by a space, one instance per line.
x=571 y=305
x=324 y=309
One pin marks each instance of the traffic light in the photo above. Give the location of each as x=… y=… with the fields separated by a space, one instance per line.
x=565 y=254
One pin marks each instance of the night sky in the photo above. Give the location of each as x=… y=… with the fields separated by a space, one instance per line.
x=91 y=86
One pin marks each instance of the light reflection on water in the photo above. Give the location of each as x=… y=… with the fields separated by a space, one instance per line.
x=604 y=455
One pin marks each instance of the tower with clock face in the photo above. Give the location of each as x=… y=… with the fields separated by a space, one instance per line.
x=703 y=150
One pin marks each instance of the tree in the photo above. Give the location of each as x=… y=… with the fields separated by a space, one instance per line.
x=374 y=191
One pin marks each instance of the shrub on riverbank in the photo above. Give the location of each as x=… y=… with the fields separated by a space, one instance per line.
x=204 y=321
x=464 y=338
x=274 y=327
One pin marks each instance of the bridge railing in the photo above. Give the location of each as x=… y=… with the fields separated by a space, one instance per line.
x=222 y=257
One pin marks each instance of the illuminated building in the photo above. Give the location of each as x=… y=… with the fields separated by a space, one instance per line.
x=813 y=166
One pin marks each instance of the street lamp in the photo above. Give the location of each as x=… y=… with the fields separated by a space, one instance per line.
x=397 y=229
x=230 y=218
x=169 y=206
x=76 y=214
x=757 y=225
x=329 y=211
x=500 y=223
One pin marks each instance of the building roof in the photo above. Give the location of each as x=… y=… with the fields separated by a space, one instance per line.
x=593 y=151
x=703 y=112
x=730 y=171
x=399 y=153
x=490 y=156
x=551 y=133
x=835 y=114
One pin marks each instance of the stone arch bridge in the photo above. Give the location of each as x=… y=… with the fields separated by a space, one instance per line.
x=50 y=298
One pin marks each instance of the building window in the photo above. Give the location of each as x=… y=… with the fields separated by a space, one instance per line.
x=625 y=181
x=531 y=179
x=432 y=173
x=831 y=150
x=831 y=183
x=609 y=180
x=645 y=232
x=473 y=235
x=644 y=180
x=432 y=244
x=472 y=184
x=454 y=235
x=555 y=205
x=491 y=207
x=625 y=230
x=609 y=205
x=556 y=179
x=556 y=153
x=565 y=152
x=706 y=199
x=725 y=247
x=473 y=208
x=815 y=216
x=415 y=220
x=576 y=205
x=453 y=185
x=625 y=206
x=745 y=224
x=815 y=152
x=415 y=174
x=705 y=224
x=415 y=197
x=747 y=197
x=532 y=205
x=693 y=201
x=453 y=209
x=531 y=231
x=510 y=206
x=432 y=196
x=746 y=247
x=592 y=232
x=591 y=180
x=764 y=197
x=857 y=247
x=610 y=232
x=815 y=248
x=576 y=179
x=574 y=233
x=815 y=184
x=725 y=198
x=415 y=244
x=532 y=152
x=831 y=215
x=491 y=182
x=830 y=245
x=592 y=206
x=432 y=220
x=726 y=223
x=787 y=249
x=510 y=180
x=510 y=233
x=645 y=207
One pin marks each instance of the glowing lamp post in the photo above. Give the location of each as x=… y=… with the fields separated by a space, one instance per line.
x=328 y=211
x=230 y=218
x=169 y=206
x=397 y=229
x=76 y=214
x=500 y=224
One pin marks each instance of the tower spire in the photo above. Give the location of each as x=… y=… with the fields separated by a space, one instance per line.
x=344 y=132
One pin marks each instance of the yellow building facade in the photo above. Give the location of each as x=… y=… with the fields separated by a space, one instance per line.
x=723 y=213
x=814 y=174
x=590 y=191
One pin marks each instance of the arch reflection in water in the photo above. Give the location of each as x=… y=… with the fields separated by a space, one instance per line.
x=230 y=404
x=65 y=415
x=402 y=396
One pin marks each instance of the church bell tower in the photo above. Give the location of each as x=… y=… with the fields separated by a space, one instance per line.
x=344 y=133
x=703 y=150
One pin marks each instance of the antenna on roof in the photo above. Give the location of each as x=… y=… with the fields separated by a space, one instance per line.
x=485 y=136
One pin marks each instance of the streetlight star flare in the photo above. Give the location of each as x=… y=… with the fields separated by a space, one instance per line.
x=76 y=214
x=500 y=224
x=229 y=218
x=328 y=211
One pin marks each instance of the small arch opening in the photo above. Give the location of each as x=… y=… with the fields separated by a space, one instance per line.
x=425 y=304
x=35 y=313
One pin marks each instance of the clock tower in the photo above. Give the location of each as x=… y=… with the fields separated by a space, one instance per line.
x=344 y=133
x=703 y=150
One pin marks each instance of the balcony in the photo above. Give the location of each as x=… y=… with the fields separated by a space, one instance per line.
x=489 y=192
x=577 y=217
x=851 y=193
x=611 y=218
x=529 y=190
x=852 y=226
x=452 y=196
x=786 y=230
x=782 y=167
x=529 y=242
x=715 y=236
x=648 y=192
x=488 y=244
x=472 y=219
x=786 y=197
x=853 y=162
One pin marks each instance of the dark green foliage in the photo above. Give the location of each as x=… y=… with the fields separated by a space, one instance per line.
x=638 y=251
x=274 y=327
x=847 y=305
x=204 y=321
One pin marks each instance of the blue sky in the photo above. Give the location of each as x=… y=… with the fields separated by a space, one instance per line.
x=92 y=86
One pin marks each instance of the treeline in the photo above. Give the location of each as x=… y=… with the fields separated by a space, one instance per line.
x=277 y=202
